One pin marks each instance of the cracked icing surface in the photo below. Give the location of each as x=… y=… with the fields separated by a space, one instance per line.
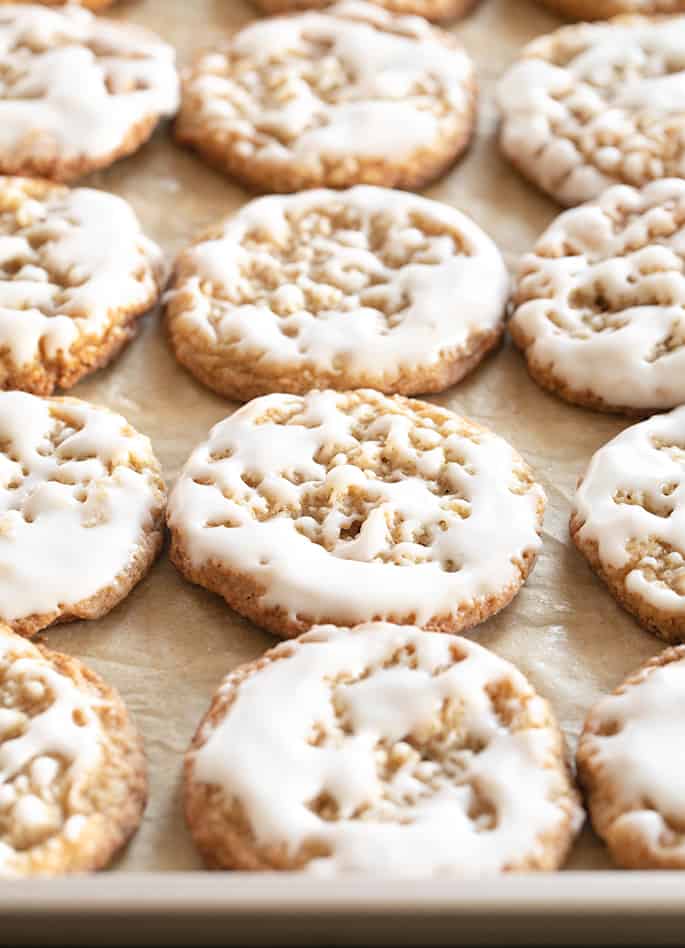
x=629 y=515
x=421 y=512
x=75 y=272
x=595 y=104
x=72 y=771
x=77 y=486
x=76 y=91
x=630 y=761
x=350 y=95
x=380 y=749
x=601 y=300
x=337 y=289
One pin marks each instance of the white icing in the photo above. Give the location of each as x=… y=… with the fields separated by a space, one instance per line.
x=628 y=249
x=60 y=740
x=261 y=754
x=379 y=72
x=78 y=256
x=61 y=543
x=602 y=116
x=643 y=760
x=438 y=300
x=56 y=91
x=633 y=462
x=360 y=578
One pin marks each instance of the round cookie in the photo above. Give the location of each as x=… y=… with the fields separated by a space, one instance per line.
x=435 y=10
x=596 y=104
x=599 y=303
x=631 y=765
x=326 y=289
x=347 y=507
x=352 y=95
x=77 y=92
x=604 y=9
x=628 y=520
x=76 y=272
x=81 y=510
x=73 y=776
x=380 y=749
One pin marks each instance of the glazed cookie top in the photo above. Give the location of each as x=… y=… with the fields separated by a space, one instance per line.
x=630 y=750
x=367 y=282
x=594 y=104
x=600 y=300
x=351 y=81
x=77 y=83
x=77 y=486
x=50 y=737
x=414 y=508
x=631 y=503
x=388 y=749
x=69 y=261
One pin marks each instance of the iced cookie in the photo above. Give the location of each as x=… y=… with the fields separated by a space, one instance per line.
x=77 y=92
x=595 y=104
x=436 y=10
x=381 y=749
x=603 y=9
x=326 y=289
x=352 y=95
x=81 y=510
x=73 y=777
x=76 y=272
x=600 y=301
x=632 y=767
x=628 y=520
x=346 y=507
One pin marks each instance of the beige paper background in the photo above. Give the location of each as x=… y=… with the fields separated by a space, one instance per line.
x=168 y=645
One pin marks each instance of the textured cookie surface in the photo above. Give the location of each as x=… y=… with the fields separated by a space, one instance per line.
x=600 y=301
x=77 y=92
x=352 y=95
x=595 y=104
x=631 y=764
x=430 y=9
x=73 y=780
x=346 y=507
x=604 y=9
x=75 y=273
x=380 y=749
x=81 y=510
x=629 y=521
x=327 y=289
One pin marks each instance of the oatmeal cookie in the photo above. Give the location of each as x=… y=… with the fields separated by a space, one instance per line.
x=76 y=272
x=338 y=289
x=604 y=9
x=351 y=95
x=631 y=764
x=434 y=10
x=380 y=749
x=347 y=507
x=628 y=520
x=596 y=104
x=77 y=92
x=73 y=776
x=600 y=302
x=81 y=510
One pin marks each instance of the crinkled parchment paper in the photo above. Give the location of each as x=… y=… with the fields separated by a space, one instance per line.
x=168 y=645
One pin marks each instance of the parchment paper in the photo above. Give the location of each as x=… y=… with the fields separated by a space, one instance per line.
x=169 y=644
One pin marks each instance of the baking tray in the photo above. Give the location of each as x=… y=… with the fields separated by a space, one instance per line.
x=168 y=645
